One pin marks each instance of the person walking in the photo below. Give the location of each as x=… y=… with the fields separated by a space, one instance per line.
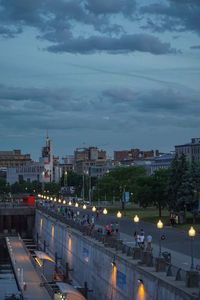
x=149 y=240
x=116 y=228
x=112 y=228
x=92 y=219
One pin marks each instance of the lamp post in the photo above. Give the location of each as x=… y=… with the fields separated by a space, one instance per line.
x=119 y=215
x=192 y=234
x=136 y=219
x=160 y=226
x=83 y=185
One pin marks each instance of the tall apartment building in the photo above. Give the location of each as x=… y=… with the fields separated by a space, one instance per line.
x=14 y=158
x=85 y=158
x=190 y=150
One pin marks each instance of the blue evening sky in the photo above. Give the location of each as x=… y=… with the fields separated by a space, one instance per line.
x=117 y=73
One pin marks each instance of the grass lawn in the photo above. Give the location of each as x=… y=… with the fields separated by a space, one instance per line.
x=151 y=215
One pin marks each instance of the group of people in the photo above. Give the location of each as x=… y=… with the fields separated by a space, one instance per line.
x=112 y=228
x=140 y=239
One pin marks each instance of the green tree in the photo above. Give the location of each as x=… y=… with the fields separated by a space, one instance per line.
x=152 y=190
x=175 y=191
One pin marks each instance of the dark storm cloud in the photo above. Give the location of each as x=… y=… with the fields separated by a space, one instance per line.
x=35 y=98
x=125 y=7
x=52 y=17
x=168 y=101
x=124 y=44
x=56 y=22
x=196 y=47
x=114 y=109
x=174 y=15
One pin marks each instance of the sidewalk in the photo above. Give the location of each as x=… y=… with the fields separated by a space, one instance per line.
x=20 y=259
x=177 y=259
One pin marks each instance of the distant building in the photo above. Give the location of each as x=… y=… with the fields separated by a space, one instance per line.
x=85 y=158
x=46 y=170
x=134 y=154
x=162 y=162
x=14 y=158
x=68 y=164
x=190 y=150
x=32 y=172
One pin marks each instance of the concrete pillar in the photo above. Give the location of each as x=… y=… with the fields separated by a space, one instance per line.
x=192 y=279
x=147 y=258
x=30 y=225
x=136 y=253
x=160 y=264
x=8 y=223
x=1 y=223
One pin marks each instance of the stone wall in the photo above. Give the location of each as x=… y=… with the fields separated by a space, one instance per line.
x=110 y=273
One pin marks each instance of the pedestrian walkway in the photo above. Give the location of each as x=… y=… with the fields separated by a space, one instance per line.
x=25 y=271
x=177 y=259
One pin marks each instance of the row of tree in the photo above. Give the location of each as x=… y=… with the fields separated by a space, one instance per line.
x=176 y=188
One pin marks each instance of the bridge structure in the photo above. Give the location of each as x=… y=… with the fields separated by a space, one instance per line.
x=16 y=218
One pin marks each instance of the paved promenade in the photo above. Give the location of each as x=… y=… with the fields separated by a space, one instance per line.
x=21 y=260
x=177 y=242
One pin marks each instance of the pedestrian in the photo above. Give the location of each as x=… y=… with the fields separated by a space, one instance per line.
x=112 y=228
x=97 y=213
x=142 y=239
x=88 y=219
x=149 y=240
x=62 y=210
x=116 y=227
x=83 y=220
x=107 y=230
x=142 y=231
x=66 y=209
x=72 y=214
x=69 y=213
x=135 y=236
x=92 y=219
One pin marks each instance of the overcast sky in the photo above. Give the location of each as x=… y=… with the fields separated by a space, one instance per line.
x=118 y=74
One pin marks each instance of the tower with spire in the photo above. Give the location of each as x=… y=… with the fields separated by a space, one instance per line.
x=47 y=158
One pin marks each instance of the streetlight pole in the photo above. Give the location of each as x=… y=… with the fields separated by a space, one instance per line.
x=160 y=226
x=192 y=234
x=136 y=220
x=83 y=186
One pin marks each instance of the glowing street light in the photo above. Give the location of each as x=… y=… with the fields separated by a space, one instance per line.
x=59 y=200
x=76 y=204
x=160 y=226
x=119 y=215
x=64 y=202
x=70 y=203
x=84 y=206
x=192 y=233
x=136 y=219
x=105 y=211
x=94 y=209
x=54 y=199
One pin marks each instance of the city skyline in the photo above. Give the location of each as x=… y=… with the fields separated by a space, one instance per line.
x=122 y=74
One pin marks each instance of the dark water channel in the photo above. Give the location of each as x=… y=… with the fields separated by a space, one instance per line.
x=8 y=286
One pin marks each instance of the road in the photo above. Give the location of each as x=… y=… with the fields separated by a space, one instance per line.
x=176 y=240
